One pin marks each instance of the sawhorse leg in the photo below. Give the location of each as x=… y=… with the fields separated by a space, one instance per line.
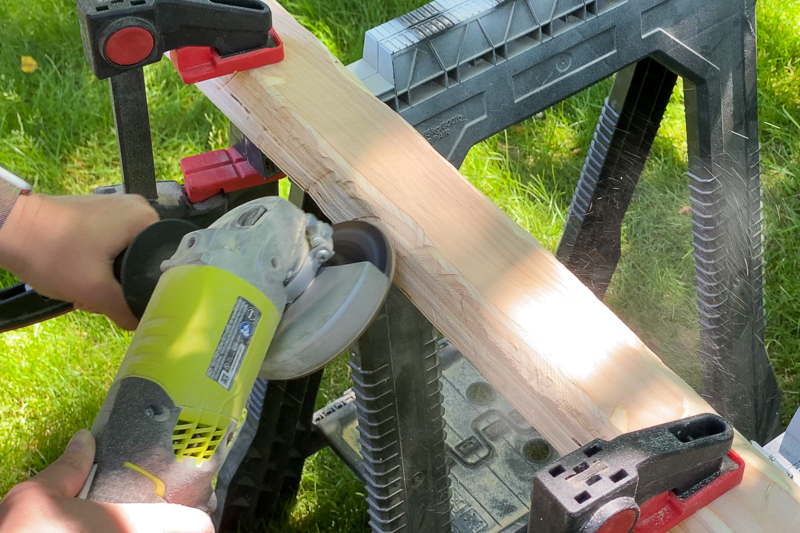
x=628 y=125
x=724 y=186
x=279 y=421
x=396 y=378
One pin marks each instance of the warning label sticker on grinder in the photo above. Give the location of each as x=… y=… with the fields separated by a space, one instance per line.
x=233 y=345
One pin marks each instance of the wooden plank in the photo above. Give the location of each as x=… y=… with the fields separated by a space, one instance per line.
x=566 y=362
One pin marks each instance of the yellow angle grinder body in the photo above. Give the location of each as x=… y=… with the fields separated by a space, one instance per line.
x=266 y=290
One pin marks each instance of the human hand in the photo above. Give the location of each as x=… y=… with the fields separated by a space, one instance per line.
x=64 y=247
x=47 y=503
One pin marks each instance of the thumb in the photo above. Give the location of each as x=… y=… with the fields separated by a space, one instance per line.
x=161 y=518
x=66 y=476
x=104 y=295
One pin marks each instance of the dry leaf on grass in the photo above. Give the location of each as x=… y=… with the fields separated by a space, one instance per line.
x=29 y=64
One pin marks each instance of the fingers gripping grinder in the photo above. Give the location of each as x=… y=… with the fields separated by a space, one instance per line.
x=266 y=290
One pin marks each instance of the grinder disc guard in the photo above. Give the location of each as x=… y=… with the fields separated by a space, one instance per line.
x=337 y=307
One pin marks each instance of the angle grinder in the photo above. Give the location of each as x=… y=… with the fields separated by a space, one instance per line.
x=266 y=290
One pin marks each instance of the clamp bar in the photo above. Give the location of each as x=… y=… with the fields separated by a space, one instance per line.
x=129 y=99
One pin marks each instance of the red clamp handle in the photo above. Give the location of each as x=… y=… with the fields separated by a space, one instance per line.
x=200 y=63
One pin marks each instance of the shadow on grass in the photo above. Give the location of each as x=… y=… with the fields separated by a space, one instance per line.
x=330 y=497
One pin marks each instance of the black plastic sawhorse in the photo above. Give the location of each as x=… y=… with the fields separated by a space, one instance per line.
x=462 y=70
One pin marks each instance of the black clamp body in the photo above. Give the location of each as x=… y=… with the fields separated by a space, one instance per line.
x=120 y=35
x=206 y=38
x=600 y=487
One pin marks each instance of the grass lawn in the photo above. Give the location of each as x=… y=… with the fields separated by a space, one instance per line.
x=56 y=129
